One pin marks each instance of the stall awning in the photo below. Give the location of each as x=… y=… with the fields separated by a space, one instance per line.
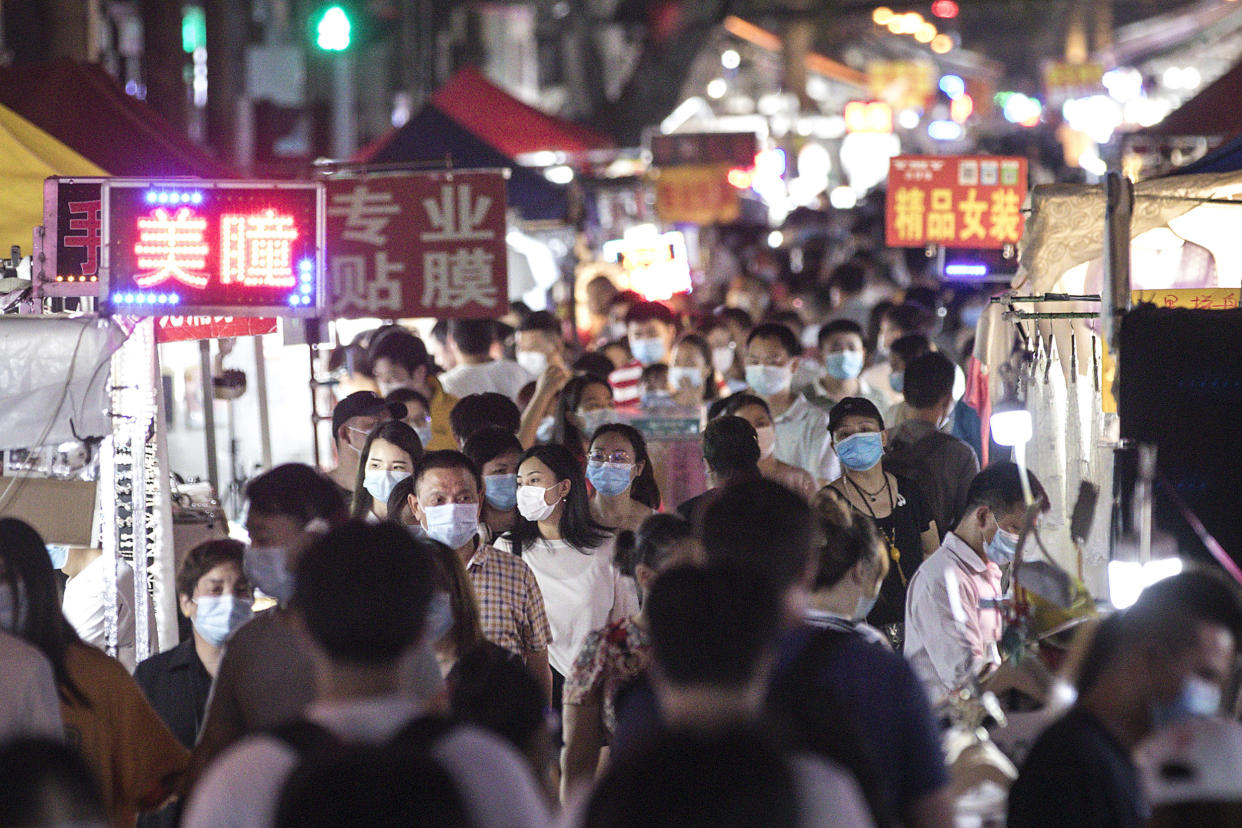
x=84 y=107
x=27 y=156
x=508 y=124
x=1215 y=111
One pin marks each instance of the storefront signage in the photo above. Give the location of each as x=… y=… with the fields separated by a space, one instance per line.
x=1063 y=81
x=211 y=247
x=182 y=328
x=736 y=149
x=417 y=245
x=955 y=201
x=699 y=194
x=657 y=264
x=904 y=84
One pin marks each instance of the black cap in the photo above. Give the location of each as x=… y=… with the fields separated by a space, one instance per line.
x=853 y=407
x=363 y=404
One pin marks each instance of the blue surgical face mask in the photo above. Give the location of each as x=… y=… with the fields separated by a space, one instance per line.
x=59 y=555
x=897 y=381
x=767 y=380
x=500 y=491
x=865 y=605
x=380 y=482
x=609 y=478
x=648 y=349
x=267 y=567
x=219 y=615
x=861 y=451
x=1198 y=698
x=592 y=420
x=439 y=616
x=424 y=434
x=1002 y=547
x=844 y=365
x=452 y=524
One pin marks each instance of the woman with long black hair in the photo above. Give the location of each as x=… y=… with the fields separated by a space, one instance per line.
x=585 y=404
x=570 y=554
x=619 y=469
x=388 y=457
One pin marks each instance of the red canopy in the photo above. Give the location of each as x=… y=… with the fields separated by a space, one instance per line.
x=1216 y=110
x=83 y=106
x=506 y=123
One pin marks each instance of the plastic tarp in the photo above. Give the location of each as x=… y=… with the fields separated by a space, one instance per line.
x=54 y=376
x=83 y=106
x=27 y=156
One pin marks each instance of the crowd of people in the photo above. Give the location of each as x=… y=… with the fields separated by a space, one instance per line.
x=486 y=613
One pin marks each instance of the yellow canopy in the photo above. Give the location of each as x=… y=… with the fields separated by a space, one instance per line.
x=27 y=156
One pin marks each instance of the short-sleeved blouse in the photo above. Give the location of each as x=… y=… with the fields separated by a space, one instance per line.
x=610 y=658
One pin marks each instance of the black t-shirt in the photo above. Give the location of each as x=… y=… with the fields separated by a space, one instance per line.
x=905 y=526
x=1077 y=774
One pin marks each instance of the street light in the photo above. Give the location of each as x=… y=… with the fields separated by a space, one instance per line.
x=334 y=33
x=333 y=30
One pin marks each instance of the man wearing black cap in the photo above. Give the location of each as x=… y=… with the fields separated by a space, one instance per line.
x=352 y=420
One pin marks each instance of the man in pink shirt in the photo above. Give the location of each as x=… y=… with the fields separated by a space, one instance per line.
x=953 y=614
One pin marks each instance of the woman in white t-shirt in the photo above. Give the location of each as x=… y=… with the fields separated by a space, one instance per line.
x=569 y=553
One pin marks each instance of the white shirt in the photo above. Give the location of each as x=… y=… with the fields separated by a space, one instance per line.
x=503 y=376
x=802 y=440
x=949 y=636
x=85 y=604
x=29 y=705
x=582 y=592
x=241 y=789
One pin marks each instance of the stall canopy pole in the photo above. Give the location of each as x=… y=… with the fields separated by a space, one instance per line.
x=312 y=338
x=1118 y=209
x=209 y=413
x=265 y=426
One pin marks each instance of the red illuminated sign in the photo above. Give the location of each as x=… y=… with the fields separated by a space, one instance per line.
x=955 y=201
x=202 y=247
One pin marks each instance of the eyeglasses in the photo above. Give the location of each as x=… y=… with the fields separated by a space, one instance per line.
x=614 y=457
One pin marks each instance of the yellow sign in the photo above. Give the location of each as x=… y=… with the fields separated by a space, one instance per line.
x=904 y=84
x=698 y=194
x=1195 y=298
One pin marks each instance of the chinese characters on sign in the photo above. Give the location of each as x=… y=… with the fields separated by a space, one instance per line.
x=182 y=328
x=955 y=201
x=417 y=244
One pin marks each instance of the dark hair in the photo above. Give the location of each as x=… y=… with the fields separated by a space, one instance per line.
x=878 y=311
x=47 y=783
x=594 y=364
x=731 y=447
x=491 y=688
x=735 y=403
x=710 y=625
x=911 y=317
x=577 y=527
x=644 y=489
x=626 y=297
x=544 y=322
x=473 y=336
x=475 y=411
x=623 y=343
x=296 y=490
x=910 y=347
x=698 y=779
x=650 y=312
x=655 y=374
x=845 y=539
x=929 y=379
x=737 y=316
x=408 y=395
x=363 y=591
x=925 y=297
x=24 y=557
x=486 y=444
x=205 y=557
x=401 y=436
x=450 y=577
x=853 y=407
x=565 y=431
x=848 y=278
x=761 y=525
x=651 y=543
x=780 y=333
x=445 y=459
x=839 y=326
x=398 y=345
x=1000 y=489
x=694 y=340
x=399 y=500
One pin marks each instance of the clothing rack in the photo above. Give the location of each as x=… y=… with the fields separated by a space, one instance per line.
x=1008 y=299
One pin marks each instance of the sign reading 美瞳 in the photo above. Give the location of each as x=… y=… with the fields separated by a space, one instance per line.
x=955 y=201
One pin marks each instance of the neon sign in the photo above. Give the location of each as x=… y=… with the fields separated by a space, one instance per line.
x=219 y=247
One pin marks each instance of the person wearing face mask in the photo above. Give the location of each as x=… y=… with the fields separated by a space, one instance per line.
x=586 y=403
x=213 y=593
x=619 y=470
x=446 y=501
x=650 y=328
x=388 y=457
x=920 y=450
x=895 y=504
x=755 y=411
x=266 y=674
x=496 y=453
x=844 y=356
x=953 y=618
x=727 y=353
x=399 y=359
x=691 y=378
x=353 y=420
x=836 y=658
x=570 y=554
x=904 y=351
x=772 y=354
x=1160 y=662
x=417 y=412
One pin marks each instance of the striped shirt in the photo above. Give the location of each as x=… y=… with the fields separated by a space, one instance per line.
x=511 y=607
x=625 y=382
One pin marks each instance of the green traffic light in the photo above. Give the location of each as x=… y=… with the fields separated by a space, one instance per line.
x=332 y=33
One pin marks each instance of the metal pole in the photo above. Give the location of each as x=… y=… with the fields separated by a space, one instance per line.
x=312 y=338
x=1115 y=297
x=209 y=413
x=265 y=426
x=344 y=124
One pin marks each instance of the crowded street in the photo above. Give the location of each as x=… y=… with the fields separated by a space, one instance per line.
x=620 y=414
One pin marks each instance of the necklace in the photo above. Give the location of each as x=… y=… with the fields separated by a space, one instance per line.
x=890 y=534
x=873 y=495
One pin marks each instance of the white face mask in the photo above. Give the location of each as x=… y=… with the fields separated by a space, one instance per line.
x=767 y=380
x=533 y=362
x=219 y=615
x=677 y=375
x=379 y=483
x=452 y=524
x=592 y=420
x=532 y=502
x=767 y=441
x=722 y=358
